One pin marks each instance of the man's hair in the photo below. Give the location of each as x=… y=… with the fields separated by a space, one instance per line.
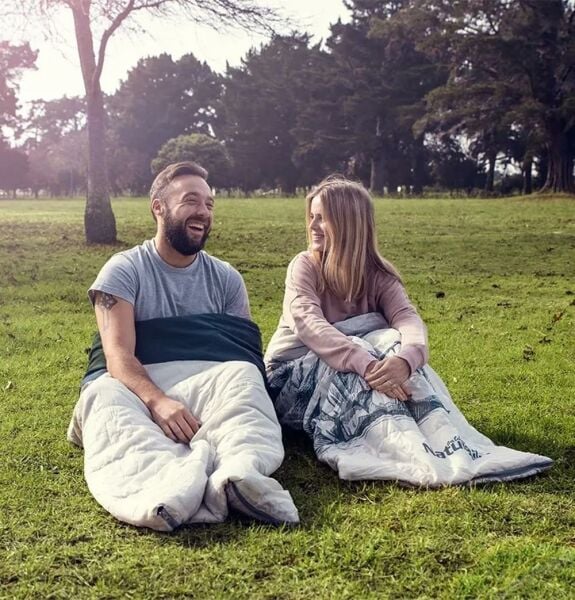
x=171 y=172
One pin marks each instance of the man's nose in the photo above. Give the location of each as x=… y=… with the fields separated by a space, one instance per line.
x=202 y=209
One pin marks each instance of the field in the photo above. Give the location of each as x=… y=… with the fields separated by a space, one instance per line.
x=495 y=282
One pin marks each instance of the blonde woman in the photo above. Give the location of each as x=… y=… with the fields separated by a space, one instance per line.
x=348 y=362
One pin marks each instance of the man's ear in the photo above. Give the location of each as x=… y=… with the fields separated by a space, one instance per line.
x=157 y=207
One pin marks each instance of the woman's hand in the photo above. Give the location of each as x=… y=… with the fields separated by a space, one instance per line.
x=389 y=376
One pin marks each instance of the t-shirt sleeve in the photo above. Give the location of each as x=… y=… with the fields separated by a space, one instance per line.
x=237 y=302
x=394 y=303
x=303 y=314
x=117 y=277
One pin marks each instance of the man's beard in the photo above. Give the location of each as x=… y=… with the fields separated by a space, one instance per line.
x=177 y=235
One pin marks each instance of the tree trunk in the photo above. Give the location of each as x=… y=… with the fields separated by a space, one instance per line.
x=419 y=167
x=376 y=178
x=491 y=158
x=542 y=164
x=527 y=174
x=560 y=168
x=99 y=221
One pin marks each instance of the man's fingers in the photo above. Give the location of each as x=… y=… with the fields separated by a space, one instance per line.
x=177 y=431
x=185 y=427
x=192 y=422
x=168 y=432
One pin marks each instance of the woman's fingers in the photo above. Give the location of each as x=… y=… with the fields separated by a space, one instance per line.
x=392 y=388
x=374 y=371
x=393 y=370
x=398 y=393
x=394 y=391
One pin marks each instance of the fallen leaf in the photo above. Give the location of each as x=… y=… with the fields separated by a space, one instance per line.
x=528 y=353
x=558 y=316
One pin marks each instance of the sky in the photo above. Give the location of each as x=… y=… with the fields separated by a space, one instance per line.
x=58 y=71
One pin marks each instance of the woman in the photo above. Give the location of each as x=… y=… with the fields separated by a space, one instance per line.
x=348 y=362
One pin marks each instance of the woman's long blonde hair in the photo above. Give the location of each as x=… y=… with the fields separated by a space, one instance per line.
x=350 y=237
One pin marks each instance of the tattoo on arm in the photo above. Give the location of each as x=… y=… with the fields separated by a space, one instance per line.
x=106 y=303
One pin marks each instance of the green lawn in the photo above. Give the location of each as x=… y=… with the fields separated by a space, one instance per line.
x=502 y=337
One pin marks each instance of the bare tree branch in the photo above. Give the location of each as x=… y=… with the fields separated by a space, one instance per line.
x=106 y=36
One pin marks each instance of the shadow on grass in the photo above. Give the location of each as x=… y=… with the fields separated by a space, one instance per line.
x=320 y=495
x=544 y=444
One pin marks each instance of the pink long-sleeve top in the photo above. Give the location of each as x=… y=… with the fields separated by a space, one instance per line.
x=309 y=315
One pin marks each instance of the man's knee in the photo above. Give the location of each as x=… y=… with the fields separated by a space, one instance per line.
x=242 y=371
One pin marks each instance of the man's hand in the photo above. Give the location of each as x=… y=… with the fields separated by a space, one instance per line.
x=389 y=376
x=175 y=420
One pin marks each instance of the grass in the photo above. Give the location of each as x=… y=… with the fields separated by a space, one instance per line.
x=494 y=281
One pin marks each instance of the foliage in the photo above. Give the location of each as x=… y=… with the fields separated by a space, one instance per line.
x=501 y=337
x=95 y=22
x=12 y=60
x=388 y=78
x=261 y=103
x=55 y=139
x=405 y=95
x=511 y=69
x=203 y=149
x=13 y=168
x=173 y=98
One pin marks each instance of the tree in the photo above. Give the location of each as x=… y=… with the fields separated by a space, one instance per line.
x=172 y=98
x=95 y=22
x=59 y=166
x=13 y=162
x=450 y=167
x=55 y=139
x=200 y=148
x=261 y=104
x=50 y=120
x=322 y=135
x=12 y=60
x=13 y=168
x=511 y=67
x=388 y=78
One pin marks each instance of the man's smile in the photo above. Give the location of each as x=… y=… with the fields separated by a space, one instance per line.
x=195 y=226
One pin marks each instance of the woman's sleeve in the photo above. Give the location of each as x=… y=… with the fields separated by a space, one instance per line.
x=303 y=314
x=401 y=315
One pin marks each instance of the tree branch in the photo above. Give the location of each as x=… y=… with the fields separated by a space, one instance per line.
x=120 y=17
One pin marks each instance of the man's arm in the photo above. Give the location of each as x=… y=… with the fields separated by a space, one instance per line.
x=115 y=318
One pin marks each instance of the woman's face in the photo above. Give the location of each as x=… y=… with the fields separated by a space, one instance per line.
x=317 y=226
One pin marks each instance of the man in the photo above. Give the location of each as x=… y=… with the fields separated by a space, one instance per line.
x=182 y=408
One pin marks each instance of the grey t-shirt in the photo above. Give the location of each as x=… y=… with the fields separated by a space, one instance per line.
x=156 y=289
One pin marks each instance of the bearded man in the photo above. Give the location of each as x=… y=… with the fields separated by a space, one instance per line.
x=174 y=417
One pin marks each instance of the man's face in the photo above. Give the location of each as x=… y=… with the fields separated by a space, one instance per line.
x=188 y=213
